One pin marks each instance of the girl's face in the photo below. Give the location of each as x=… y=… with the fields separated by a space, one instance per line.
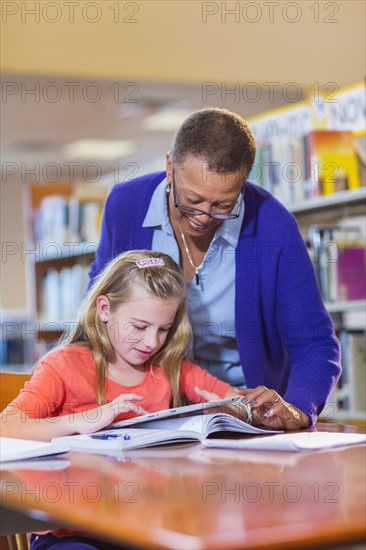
x=139 y=328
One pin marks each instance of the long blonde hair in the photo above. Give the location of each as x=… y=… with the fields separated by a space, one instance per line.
x=117 y=282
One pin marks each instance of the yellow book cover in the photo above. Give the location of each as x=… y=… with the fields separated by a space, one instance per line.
x=333 y=160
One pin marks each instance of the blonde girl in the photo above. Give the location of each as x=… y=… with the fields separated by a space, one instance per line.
x=127 y=355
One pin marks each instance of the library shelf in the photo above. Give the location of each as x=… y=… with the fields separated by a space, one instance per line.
x=317 y=169
x=329 y=201
x=50 y=252
x=343 y=307
x=17 y=367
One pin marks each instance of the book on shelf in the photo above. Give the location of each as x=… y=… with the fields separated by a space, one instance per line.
x=61 y=219
x=332 y=161
x=62 y=291
x=280 y=168
x=90 y=219
x=22 y=449
x=351 y=271
x=301 y=166
x=13 y=351
x=193 y=428
x=349 y=395
x=339 y=259
x=50 y=220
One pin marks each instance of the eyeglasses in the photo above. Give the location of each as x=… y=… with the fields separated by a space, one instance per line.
x=197 y=212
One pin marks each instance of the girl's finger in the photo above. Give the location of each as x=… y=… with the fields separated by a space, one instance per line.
x=122 y=405
x=137 y=409
x=128 y=397
x=209 y=396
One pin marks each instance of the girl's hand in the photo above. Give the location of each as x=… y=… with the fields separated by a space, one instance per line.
x=209 y=396
x=96 y=419
x=236 y=410
x=15 y=423
x=269 y=409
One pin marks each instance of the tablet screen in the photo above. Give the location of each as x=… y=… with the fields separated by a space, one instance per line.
x=196 y=407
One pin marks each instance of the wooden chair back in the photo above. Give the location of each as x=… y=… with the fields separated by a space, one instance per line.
x=14 y=542
x=10 y=385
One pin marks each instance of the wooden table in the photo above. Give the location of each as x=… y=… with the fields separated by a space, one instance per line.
x=196 y=498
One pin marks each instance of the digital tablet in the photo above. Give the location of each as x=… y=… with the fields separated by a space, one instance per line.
x=176 y=411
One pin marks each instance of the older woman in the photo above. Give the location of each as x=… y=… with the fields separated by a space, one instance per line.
x=257 y=316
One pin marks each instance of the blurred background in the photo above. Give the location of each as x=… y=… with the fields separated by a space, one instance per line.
x=132 y=71
x=91 y=95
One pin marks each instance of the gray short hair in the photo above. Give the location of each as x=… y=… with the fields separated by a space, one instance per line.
x=222 y=138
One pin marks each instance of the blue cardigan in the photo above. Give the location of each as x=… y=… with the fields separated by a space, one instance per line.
x=284 y=334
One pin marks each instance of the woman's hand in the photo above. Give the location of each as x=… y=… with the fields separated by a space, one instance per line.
x=269 y=409
x=96 y=419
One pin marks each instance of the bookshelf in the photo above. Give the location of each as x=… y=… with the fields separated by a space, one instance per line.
x=313 y=160
x=62 y=260
x=343 y=307
x=61 y=237
x=329 y=202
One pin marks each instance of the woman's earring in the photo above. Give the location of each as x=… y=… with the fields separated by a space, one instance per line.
x=167 y=189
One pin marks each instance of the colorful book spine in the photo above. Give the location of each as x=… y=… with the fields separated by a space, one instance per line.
x=333 y=161
x=351 y=272
x=350 y=392
x=61 y=220
x=339 y=259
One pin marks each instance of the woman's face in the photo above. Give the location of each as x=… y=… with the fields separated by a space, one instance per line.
x=196 y=187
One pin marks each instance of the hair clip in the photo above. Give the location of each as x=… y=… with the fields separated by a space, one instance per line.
x=150 y=262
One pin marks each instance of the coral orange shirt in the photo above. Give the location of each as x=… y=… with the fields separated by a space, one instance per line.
x=65 y=382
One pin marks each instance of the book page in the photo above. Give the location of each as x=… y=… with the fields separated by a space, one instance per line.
x=196 y=424
x=118 y=440
x=205 y=424
x=227 y=423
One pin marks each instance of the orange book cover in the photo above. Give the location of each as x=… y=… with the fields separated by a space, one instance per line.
x=333 y=161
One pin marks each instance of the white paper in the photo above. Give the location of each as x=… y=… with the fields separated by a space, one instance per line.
x=306 y=441
x=20 y=449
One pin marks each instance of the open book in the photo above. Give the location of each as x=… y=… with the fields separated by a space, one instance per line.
x=159 y=432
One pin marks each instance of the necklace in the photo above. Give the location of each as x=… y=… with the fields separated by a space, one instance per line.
x=195 y=267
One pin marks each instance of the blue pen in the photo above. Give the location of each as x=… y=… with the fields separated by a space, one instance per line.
x=125 y=437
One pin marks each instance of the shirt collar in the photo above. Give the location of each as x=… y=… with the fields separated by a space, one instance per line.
x=157 y=216
x=157 y=213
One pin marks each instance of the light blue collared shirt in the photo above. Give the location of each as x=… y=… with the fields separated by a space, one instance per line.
x=211 y=304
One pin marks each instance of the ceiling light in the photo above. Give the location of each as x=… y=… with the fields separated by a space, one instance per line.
x=166 y=119
x=99 y=149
